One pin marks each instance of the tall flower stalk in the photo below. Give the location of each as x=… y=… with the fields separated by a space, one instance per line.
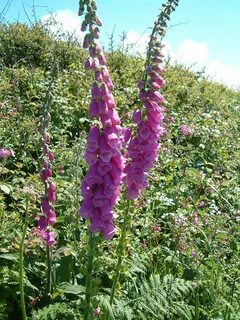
x=49 y=197
x=101 y=186
x=120 y=251
x=144 y=145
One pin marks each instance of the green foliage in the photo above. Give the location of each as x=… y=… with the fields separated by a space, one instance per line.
x=152 y=298
x=183 y=269
x=57 y=311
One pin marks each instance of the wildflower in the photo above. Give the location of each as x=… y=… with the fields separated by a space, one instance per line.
x=48 y=215
x=51 y=192
x=50 y=238
x=144 y=145
x=6 y=153
x=193 y=254
x=195 y=218
x=96 y=312
x=144 y=244
x=101 y=186
x=185 y=130
x=202 y=204
x=61 y=169
x=157 y=228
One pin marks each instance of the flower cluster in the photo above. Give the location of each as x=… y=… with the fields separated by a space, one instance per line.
x=143 y=147
x=185 y=130
x=6 y=153
x=101 y=186
x=48 y=215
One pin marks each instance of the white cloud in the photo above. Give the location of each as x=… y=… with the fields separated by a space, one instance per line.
x=191 y=52
x=224 y=73
x=197 y=56
x=65 y=21
x=136 y=42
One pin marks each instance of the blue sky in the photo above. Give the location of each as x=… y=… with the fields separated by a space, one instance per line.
x=206 y=31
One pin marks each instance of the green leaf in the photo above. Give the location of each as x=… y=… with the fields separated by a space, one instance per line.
x=9 y=256
x=72 y=289
x=6 y=189
x=189 y=274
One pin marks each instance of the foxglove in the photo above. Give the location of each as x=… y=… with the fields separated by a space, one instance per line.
x=144 y=145
x=48 y=214
x=101 y=186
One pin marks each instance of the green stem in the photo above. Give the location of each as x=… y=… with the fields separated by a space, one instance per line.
x=49 y=272
x=227 y=314
x=91 y=248
x=21 y=263
x=120 y=252
x=197 y=305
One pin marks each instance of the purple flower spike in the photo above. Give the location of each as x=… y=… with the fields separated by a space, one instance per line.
x=99 y=198
x=101 y=186
x=111 y=102
x=48 y=215
x=143 y=147
x=98 y=21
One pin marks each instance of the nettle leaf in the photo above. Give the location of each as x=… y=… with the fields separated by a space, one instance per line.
x=9 y=256
x=72 y=289
x=64 y=251
x=5 y=188
x=82 y=120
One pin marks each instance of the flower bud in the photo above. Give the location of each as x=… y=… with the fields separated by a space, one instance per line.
x=98 y=21
x=88 y=64
x=50 y=237
x=51 y=194
x=95 y=64
x=141 y=84
x=96 y=33
x=87 y=41
x=81 y=9
x=84 y=26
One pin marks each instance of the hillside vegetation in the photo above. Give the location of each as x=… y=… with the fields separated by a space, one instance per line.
x=182 y=257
